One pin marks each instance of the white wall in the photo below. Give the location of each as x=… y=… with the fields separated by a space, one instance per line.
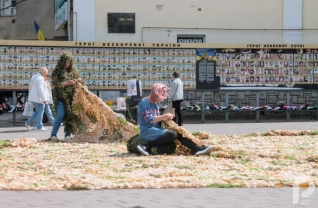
x=293 y=21
x=220 y=21
x=310 y=19
x=154 y=18
x=84 y=20
x=214 y=36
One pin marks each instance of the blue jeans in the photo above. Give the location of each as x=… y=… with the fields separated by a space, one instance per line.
x=48 y=113
x=38 y=114
x=60 y=114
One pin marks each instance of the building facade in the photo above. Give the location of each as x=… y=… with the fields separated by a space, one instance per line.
x=226 y=21
x=218 y=22
x=16 y=22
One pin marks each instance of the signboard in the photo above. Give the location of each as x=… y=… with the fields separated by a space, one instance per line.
x=131 y=88
x=60 y=14
x=121 y=22
x=189 y=39
x=134 y=88
x=206 y=78
x=58 y=4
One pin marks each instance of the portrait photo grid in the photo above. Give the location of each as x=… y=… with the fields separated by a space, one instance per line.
x=111 y=68
x=246 y=67
x=100 y=68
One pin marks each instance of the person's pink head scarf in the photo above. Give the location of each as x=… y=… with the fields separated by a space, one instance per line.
x=158 y=93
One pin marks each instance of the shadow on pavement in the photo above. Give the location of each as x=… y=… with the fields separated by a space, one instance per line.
x=15 y=131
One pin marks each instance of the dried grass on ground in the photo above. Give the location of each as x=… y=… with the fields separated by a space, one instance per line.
x=271 y=159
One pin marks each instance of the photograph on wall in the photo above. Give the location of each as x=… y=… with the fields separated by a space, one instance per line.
x=131 y=87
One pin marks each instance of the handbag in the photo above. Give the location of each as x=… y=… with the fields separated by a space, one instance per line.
x=28 y=109
x=169 y=109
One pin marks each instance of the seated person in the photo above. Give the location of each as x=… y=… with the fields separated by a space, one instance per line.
x=151 y=131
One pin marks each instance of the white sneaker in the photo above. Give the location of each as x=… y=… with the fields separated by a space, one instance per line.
x=34 y=128
x=27 y=126
x=143 y=150
x=42 y=129
x=67 y=138
x=12 y=109
x=52 y=138
x=205 y=151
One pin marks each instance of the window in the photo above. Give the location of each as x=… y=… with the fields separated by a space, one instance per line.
x=8 y=7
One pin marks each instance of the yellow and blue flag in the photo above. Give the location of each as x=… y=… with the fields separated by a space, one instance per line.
x=41 y=35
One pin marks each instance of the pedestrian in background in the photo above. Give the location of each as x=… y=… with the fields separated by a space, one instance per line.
x=176 y=96
x=40 y=94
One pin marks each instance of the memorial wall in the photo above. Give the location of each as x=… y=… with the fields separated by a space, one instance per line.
x=108 y=66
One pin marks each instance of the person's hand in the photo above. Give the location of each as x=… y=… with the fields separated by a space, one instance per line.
x=44 y=102
x=80 y=80
x=169 y=116
x=70 y=82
